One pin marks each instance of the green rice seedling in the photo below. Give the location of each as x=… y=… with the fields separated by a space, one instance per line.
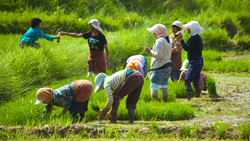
x=244 y=128
x=185 y=131
x=211 y=87
x=95 y=107
x=211 y=55
x=178 y=89
x=221 y=129
x=153 y=125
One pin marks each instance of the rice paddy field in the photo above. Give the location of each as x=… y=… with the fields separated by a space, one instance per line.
x=222 y=112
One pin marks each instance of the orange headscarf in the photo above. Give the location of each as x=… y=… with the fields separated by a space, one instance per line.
x=132 y=65
x=45 y=94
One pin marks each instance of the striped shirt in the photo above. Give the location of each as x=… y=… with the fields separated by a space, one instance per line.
x=111 y=83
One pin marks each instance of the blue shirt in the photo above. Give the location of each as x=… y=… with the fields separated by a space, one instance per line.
x=32 y=35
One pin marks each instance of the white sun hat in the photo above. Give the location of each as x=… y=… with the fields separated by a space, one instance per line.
x=96 y=24
x=177 y=23
x=194 y=26
x=38 y=101
x=98 y=81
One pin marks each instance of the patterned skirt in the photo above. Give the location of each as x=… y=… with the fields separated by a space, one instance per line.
x=161 y=76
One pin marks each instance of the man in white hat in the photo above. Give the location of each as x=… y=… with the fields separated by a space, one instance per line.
x=176 y=50
x=97 y=42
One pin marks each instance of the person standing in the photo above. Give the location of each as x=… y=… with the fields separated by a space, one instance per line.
x=73 y=96
x=160 y=63
x=33 y=34
x=176 y=50
x=194 y=48
x=97 y=42
x=125 y=82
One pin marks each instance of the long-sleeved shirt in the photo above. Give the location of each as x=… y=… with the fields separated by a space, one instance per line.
x=142 y=62
x=33 y=34
x=193 y=47
x=161 y=53
x=176 y=53
x=111 y=83
x=62 y=97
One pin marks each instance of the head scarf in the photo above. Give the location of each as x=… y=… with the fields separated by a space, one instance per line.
x=159 y=30
x=46 y=95
x=194 y=26
x=132 y=65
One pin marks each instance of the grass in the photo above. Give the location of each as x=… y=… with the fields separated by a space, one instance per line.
x=30 y=115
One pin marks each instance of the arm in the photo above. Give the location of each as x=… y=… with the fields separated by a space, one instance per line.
x=47 y=37
x=109 y=97
x=107 y=54
x=46 y=110
x=157 y=52
x=76 y=35
x=177 y=47
x=190 y=44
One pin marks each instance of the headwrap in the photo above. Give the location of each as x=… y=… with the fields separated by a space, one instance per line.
x=159 y=30
x=194 y=26
x=46 y=95
x=132 y=65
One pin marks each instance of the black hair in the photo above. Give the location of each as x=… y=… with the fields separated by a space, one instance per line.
x=35 y=22
x=178 y=28
x=167 y=39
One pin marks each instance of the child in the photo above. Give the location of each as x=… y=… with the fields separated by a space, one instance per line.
x=194 y=48
x=176 y=51
x=160 y=62
x=33 y=34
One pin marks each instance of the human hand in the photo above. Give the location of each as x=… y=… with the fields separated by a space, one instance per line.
x=39 y=37
x=147 y=49
x=108 y=64
x=179 y=35
x=57 y=37
x=62 y=33
x=108 y=114
x=100 y=112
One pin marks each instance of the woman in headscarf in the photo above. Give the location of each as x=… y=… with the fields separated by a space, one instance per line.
x=176 y=50
x=142 y=67
x=194 y=48
x=73 y=96
x=97 y=43
x=160 y=63
x=125 y=82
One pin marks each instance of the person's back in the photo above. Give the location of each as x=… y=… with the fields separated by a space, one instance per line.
x=195 y=51
x=164 y=49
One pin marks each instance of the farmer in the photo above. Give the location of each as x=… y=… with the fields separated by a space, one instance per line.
x=194 y=52
x=202 y=80
x=73 y=96
x=176 y=51
x=160 y=63
x=33 y=34
x=142 y=67
x=97 y=42
x=125 y=82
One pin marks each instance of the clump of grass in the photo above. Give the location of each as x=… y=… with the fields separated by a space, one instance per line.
x=211 y=86
x=185 y=131
x=244 y=128
x=221 y=129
